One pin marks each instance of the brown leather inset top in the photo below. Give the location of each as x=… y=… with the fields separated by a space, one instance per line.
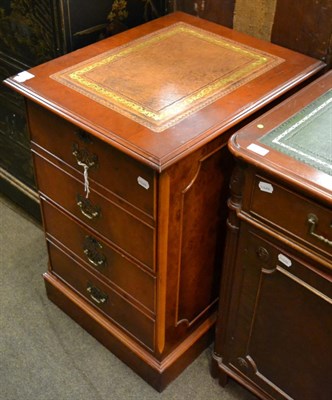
x=184 y=77
x=160 y=78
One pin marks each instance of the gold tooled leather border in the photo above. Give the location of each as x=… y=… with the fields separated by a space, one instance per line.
x=74 y=77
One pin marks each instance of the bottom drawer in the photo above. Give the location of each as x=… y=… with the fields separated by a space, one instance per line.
x=116 y=268
x=100 y=295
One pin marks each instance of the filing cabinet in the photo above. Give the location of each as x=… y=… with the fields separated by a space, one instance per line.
x=129 y=138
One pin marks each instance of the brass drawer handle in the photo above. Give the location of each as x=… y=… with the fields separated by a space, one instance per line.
x=91 y=248
x=96 y=294
x=84 y=158
x=313 y=222
x=87 y=209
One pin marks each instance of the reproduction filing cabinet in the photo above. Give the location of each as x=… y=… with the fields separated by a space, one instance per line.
x=275 y=314
x=129 y=138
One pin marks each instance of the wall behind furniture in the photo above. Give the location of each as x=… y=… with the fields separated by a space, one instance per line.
x=304 y=26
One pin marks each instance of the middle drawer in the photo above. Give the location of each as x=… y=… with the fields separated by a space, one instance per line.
x=101 y=258
x=123 y=230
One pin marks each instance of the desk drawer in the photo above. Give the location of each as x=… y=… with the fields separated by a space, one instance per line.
x=293 y=214
x=121 y=228
x=280 y=323
x=101 y=258
x=111 y=168
x=102 y=297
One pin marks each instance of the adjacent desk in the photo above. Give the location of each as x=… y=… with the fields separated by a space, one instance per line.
x=274 y=327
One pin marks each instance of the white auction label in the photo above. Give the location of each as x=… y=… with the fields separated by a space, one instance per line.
x=258 y=149
x=143 y=182
x=265 y=187
x=285 y=260
x=23 y=76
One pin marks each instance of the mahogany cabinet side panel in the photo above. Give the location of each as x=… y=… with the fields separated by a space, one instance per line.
x=202 y=237
x=199 y=187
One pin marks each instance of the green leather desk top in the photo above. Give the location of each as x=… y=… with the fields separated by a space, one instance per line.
x=307 y=136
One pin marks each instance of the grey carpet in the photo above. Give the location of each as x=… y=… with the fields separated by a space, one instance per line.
x=44 y=355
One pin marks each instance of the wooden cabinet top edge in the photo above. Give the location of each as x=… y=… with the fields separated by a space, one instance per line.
x=161 y=149
x=312 y=181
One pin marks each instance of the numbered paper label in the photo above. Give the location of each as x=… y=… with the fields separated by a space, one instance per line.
x=143 y=182
x=23 y=76
x=258 y=149
x=285 y=260
x=265 y=187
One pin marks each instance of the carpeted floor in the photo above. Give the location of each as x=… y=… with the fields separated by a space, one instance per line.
x=44 y=355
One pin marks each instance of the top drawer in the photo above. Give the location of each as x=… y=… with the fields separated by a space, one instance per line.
x=293 y=214
x=117 y=172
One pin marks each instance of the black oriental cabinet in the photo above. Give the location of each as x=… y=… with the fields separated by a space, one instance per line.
x=35 y=31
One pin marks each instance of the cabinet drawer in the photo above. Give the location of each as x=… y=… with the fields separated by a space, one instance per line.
x=96 y=254
x=103 y=297
x=122 y=175
x=292 y=214
x=124 y=230
x=280 y=333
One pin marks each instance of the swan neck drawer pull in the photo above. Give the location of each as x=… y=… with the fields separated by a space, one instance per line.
x=96 y=294
x=91 y=248
x=313 y=222
x=89 y=210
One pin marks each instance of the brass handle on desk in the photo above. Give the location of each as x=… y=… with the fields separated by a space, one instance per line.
x=313 y=222
x=91 y=249
x=96 y=294
x=87 y=209
x=84 y=158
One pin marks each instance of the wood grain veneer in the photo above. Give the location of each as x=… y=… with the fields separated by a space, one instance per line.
x=157 y=199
